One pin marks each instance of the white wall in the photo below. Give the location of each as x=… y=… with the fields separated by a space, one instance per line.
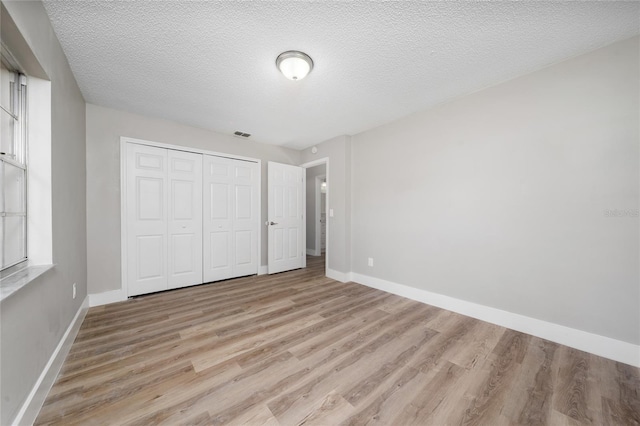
x=312 y=172
x=105 y=126
x=499 y=198
x=338 y=150
x=34 y=319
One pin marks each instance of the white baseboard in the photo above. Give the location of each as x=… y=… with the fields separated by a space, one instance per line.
x=312 y=252
x=32 y=405
x=338 y=276
x=107 y=297
x=606 y=347
x=263 y=270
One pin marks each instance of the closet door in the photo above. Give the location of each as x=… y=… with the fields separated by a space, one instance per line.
x=218 y=217
x=185 y=219
x=245 y=217
x=146 y=213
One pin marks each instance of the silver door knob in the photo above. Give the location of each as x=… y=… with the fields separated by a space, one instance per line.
x=272 y=223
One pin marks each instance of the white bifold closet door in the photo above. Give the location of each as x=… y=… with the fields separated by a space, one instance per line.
x=146 y=212
x=230 y=219
x=185 y=219
x=164 y=219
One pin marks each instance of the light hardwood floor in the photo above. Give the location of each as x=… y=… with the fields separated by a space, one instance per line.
x=298 y=348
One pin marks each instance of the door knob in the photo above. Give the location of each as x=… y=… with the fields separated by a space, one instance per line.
x=272 y=223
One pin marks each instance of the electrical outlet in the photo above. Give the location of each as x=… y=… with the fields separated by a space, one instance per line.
x=74 y=290
x=370 y=262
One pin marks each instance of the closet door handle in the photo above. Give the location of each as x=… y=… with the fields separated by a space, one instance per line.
x=272 y=223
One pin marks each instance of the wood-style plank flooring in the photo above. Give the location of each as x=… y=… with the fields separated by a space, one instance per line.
x=298 y=348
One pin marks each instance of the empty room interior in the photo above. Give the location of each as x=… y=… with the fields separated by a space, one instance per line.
x=318 y=212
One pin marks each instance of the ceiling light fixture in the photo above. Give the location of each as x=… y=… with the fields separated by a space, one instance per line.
x=294 y=65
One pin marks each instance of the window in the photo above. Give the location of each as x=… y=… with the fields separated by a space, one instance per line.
x=13 y=164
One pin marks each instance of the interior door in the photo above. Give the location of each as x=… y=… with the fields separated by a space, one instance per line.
x=286 y=217
x=218 y=217
x=185 y=219
x=146 y=181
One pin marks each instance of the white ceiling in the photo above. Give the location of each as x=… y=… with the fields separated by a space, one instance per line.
x=212 y=64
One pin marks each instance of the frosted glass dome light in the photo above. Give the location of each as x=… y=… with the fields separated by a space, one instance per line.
x=294 y=65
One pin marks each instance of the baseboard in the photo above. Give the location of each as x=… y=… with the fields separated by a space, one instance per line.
x=338 y=276
x=32 y=405
x=312 y=252
x=263 y=270
x=606 y=347
x=107 y=297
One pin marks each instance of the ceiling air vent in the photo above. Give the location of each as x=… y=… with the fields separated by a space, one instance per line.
x=241 y=134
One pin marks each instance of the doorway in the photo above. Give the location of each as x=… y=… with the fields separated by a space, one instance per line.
x=317 y=210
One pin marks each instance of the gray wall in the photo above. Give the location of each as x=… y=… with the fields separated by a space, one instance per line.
x=312 y=172
x=34 y=320
x=499 y=198
x=105 y=126
x=338 y=150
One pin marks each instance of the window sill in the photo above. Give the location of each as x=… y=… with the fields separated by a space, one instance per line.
x=14 y=282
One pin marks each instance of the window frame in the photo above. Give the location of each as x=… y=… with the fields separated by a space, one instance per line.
x=18 y=158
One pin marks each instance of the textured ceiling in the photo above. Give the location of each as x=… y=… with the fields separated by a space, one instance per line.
x=212 y=64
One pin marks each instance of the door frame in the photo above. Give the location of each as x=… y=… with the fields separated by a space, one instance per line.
x=123 y=292
x=317 y=244
x=318 y=162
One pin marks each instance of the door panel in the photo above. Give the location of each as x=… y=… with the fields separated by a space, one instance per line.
x=278 y=244
x=286 y=217
x=185 y=219
x=294 y=250
x=219 y=258
x=183 y=195
x=151 y=161
x=219 y=201
x=150 y=201
x=243 y=250
x=182 y=248
x=150 y=256
x=244 y=197
x=146 y=213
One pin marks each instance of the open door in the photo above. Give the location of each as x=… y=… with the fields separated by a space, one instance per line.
x=286 y=217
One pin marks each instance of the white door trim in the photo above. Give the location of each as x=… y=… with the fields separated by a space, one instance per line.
x=318 y=162
x=124 y=140
x=317 y=244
